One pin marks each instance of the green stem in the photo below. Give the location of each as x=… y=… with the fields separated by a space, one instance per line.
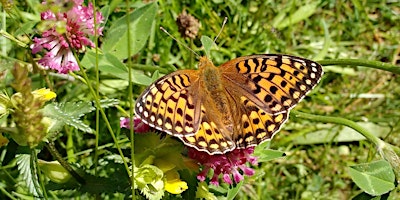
x=387 y=151
x=131 y=106
x=98 y=105
x=53 y=151
x=96 y=152
x=12 y=38
x=35 y=172
x=365 y=63
x=341 y=121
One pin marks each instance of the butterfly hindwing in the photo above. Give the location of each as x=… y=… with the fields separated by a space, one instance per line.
x=275 y=83
x=170 y=104
x=212 y=137
x=255 y=125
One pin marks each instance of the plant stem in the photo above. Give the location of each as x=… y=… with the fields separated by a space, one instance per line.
x=365 y=63
x=387 y=151
x=53 y=151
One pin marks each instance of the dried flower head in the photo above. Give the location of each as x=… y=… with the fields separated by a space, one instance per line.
x=188 y=25
x=26 y=106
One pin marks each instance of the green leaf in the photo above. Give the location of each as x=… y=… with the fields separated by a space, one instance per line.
x=29 y=173
x=26 y=28
x=148 y=179
x=110 y=64
x=301 y=14
x=232 y=192
x=69 y=113
x=140 y=24
x=202 y=192
x=375 y=178
x=365 y=196
x=207 y=44
x=265 y=155
x=106 y=103
x=333 y=133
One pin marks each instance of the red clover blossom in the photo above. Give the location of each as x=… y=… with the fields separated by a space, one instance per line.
x=78 y=24
x=230 y=165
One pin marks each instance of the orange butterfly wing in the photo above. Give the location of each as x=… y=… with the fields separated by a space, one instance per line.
x=171 y=104
x=259 y=89
x=274 y=82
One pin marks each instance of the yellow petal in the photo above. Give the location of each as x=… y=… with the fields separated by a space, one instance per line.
x=44 y=94
x=176 y=186
x=173 y=184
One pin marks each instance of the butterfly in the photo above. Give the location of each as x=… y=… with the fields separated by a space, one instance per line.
x=240 y=104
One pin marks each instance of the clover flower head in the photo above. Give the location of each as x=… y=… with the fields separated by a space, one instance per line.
x=139 y=125
x=68 y=29
x=231 y=165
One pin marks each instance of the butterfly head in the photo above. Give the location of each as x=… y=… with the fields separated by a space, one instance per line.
x=205 y=62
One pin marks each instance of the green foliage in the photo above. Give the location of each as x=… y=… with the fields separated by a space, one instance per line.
x=29 y=173
x=375 y=178
x=282 y=21
x=308 y=159
x=207 y=43
x=149 y=181
x=68 y=114
x=140 y=23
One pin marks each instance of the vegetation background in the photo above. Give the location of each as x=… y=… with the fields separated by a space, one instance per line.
x=317 y=154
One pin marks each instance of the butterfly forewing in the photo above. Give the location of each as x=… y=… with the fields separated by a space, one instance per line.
x=275 y=83
x=170 y=104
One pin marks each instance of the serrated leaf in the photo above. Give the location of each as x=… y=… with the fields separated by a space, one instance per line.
x=148 y=179
x=77 y=109
x=106 y=103
x=69 y=113
x=140 y=24
x=28 y=173
x=375 y=178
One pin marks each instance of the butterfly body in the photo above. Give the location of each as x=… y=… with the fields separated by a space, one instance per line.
x=213 y=87
x=237 y=105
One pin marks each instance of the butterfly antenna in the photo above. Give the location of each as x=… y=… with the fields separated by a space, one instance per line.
x=181 y=43
x=222 y=28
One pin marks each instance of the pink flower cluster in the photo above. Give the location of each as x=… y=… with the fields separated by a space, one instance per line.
x=230 y=165
x=139 y=125
x=79 y=24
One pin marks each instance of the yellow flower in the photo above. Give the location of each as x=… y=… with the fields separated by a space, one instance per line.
x=44 y=94
x=173 y=184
